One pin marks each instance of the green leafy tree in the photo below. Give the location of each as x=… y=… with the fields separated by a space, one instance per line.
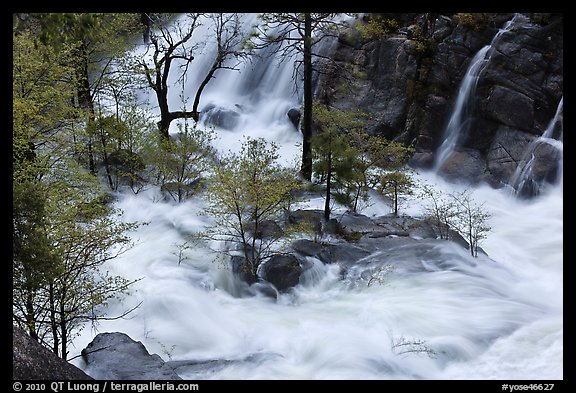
x=334 y=153
x=395 y=185
x=124 y=140
x=122 y=125
x=179 y=162
x=63 y=232
x=85 y=234
x=376 y=156
x=377 y=27
x=40 y=101
x=96 y=40
x=351 y=162
x=245 y=191
x=33 y=262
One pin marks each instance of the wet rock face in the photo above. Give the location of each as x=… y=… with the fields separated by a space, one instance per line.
x=283 y=271
x=411 y=93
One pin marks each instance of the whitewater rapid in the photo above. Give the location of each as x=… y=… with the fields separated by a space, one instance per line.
x=495 y=317
x=485 y=318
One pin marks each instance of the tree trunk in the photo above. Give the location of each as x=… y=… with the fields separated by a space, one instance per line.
x=306 y=169
x=85 y=101
x=105 y=156
x=53 y=322
x=395 y=199
x=165 y=118
x=30 y=316
x=63 y=332
x=328 y=188
x=217 y=64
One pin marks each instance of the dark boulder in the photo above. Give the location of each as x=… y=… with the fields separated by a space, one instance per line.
x=465 y=165
x=294 y=116
x=263 y=288
x=32 y=361
x=267 y=229
x=283 y=270
x=309 y=219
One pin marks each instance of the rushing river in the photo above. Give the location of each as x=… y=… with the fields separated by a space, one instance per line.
x=495 y=317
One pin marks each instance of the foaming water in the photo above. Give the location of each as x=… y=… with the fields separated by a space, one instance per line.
x=439 y=314
x=481 y=318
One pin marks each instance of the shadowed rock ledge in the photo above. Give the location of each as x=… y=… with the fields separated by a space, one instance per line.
x=30 y=360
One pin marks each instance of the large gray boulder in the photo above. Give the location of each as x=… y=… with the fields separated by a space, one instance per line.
x=32 y=361
x=116 y=356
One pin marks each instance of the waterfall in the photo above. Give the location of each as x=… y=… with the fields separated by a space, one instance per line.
x=494 y=318
x=251 y=100
x=529 y=177
x=461 y=114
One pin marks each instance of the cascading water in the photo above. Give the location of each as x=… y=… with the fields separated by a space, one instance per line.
x=528 y=177
x=252 y=99
x=463 y=107
x=439 y=314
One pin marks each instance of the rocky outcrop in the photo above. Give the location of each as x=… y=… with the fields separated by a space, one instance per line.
x=354 y=240
x=32 y=361
x=409 y=83
x=283 y=271
x=116 y=356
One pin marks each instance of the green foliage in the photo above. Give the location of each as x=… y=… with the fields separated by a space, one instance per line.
x=245 y=190
x=40 y=105
x=542 y=18
x=334 y=154
x=475 y=21
x=123 y=140
x=377 y=27
x=351 y=162
x=178 y=163
x=422 y=45
x=63 y=233
x=395 y=185
x=99 y=33
x=33 y=262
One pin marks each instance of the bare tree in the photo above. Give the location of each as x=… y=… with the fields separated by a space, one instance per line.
x=170 y=42
x=229 y=37
x=457 y=212
x=471 y=220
